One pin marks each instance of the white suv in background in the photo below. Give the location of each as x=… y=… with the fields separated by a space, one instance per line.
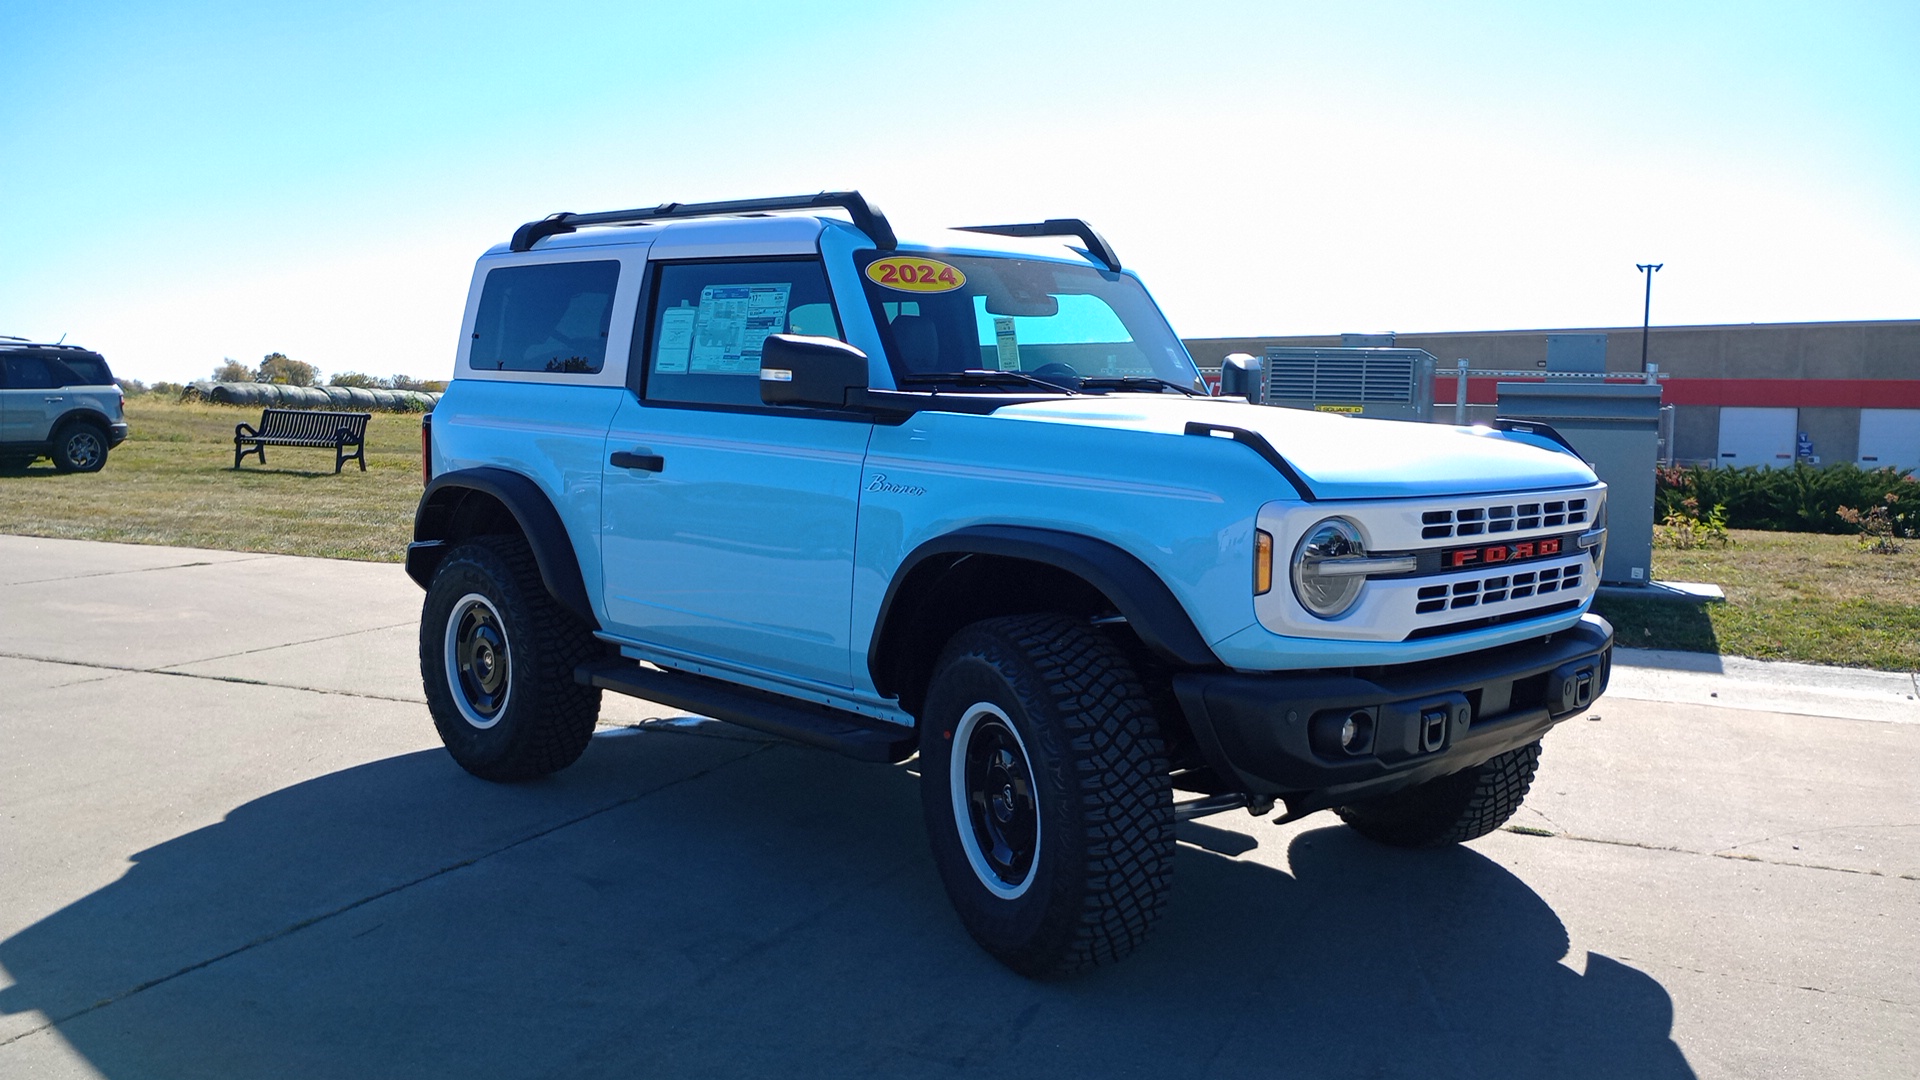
x=59 y=402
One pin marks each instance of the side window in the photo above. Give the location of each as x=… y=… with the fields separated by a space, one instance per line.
x=83 y=371
x=709 y=320
x=29 y=373
x=549 y=317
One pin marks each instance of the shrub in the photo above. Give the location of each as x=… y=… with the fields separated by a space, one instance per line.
x=1879 y=526
x=1685 y=529
x=1800 y=498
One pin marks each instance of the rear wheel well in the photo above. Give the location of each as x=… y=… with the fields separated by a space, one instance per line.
x=494 y=502
x=471 y=512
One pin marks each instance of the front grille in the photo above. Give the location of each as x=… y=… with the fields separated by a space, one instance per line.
x=1502 y=518
x=1497 y=589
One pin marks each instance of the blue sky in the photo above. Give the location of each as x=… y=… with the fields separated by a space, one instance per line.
x=193 y=181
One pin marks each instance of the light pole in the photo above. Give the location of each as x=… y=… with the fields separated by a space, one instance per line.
x=1646 y=315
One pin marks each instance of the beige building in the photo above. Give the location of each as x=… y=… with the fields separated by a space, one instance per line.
x=1742 y=394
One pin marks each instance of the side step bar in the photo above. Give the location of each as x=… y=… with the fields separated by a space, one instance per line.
x=847 y=733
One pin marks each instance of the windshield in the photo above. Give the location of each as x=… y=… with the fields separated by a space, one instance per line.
x=950 y=313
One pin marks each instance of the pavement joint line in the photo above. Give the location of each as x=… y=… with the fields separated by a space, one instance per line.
x=1670 y=966
x=288 y=931
x=288 y=645
x=1813 y=832
x=139 y=570
x=1728 y=855
x=129 y=669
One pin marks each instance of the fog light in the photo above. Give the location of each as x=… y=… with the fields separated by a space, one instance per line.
x=1333 y=734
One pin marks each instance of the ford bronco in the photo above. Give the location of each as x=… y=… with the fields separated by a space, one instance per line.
x=965 y=497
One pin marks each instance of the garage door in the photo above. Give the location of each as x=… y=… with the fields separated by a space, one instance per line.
x=1757 y=436
x=1890 y=437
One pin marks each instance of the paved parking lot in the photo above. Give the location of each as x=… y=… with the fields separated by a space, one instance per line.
x=230 y=846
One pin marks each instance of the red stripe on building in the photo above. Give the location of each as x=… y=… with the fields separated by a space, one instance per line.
x=1783 y=393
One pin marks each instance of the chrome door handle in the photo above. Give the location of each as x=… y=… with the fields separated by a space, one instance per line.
x=621 y=459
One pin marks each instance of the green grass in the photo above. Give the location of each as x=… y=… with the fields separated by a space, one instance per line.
x=1790 y=596
x=1808 y=597
x=173 y=482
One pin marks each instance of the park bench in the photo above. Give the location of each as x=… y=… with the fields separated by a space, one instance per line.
x=301 y=427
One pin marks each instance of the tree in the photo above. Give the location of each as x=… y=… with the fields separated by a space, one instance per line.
x=131 y=387
x=169 y=389
x=354 y=378
x=408 y=382
x=231 y=370
x=279 y=368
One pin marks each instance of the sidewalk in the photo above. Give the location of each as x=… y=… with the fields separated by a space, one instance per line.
x=1733 y=682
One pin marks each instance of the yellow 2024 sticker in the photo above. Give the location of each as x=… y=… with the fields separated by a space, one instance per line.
x=911 y=273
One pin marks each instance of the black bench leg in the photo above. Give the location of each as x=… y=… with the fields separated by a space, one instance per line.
x=258 y=449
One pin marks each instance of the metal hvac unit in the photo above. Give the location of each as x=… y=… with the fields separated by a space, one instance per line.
x=1391 y=384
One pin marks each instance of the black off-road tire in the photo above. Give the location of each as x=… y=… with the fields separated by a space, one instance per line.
x=536 y=720
x=79 y=447
x=1099 y=801
x=1452 y=809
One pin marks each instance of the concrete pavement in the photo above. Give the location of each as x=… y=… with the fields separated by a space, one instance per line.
x=231 y=846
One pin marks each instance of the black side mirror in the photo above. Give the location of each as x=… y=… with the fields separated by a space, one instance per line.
x=1244 y=375
x=796 y=369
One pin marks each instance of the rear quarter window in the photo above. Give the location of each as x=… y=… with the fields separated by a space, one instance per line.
x=82 y=371
x=550 y=317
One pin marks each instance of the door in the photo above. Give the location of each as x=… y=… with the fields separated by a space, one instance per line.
x=728 y=526
x=1890 y=437
x=1764 y=437
x=31 y=399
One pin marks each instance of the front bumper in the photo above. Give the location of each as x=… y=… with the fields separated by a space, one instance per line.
x=1279 y=734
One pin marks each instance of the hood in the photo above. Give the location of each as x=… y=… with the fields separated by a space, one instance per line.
x=1343 y=457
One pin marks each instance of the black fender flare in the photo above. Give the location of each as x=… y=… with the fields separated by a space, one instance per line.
x=539 y=522
x=1139 y=595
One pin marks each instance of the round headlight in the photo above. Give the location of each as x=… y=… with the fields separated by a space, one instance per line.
x=1327 y=595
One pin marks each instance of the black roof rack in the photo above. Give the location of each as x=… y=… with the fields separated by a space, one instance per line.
x=1097 y=245
x=866 y=216
x=8 y=341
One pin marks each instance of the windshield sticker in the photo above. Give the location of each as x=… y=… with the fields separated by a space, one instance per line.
x=732 y=324
x=1006 y=343
x=676 y=340
x=910 y=273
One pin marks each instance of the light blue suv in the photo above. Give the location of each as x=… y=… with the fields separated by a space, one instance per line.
x=965 y=497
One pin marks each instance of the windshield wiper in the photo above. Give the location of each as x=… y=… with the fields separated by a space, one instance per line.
x=1131 y=382
x=985 y=377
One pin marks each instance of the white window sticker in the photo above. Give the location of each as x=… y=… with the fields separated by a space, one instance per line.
x=733 y=322
x=1006 y=343
x=676 y=340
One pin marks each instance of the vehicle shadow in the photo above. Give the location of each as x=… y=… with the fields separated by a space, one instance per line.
x=1657 y=623
x=768 y=910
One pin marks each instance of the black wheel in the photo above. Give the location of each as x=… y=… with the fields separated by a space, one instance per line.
x=79 y=447
x=496 y=658
x=1044 y=780
x=1452 y=809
